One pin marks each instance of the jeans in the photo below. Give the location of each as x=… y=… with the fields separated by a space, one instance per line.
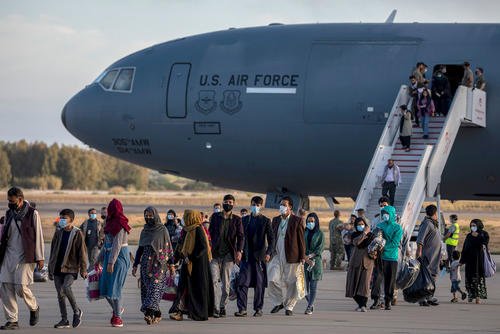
x=348 y=251
x=311 y=289
x=116 y=305
x=63 y=287
x=221 y=271
x=425 y=124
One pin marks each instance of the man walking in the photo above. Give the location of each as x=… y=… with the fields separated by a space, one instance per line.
x=93 y=234
x=390 y=180
x=226 y=232
x=258 y=234
x=429 y=247
x=21 y=250
x=336 y=244
x=288 y=255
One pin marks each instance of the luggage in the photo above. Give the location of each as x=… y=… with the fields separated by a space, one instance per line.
x=170 y=291
x=423 y=287
x=408 y=273
x=41 y=275
x=490 y=266
x=93 y=292
x=234 y=278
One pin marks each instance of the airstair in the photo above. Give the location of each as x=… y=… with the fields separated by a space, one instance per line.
x=422 y=167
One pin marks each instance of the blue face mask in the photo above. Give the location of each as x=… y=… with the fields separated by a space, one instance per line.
x=360 y=228
x=255 y=209
x=93 y=216
x=385 y=217
x=63 y=223
x=310 y=225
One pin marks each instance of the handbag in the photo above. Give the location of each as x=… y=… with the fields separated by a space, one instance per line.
x=170 y=291
x=93 y=291
x=490 y=266
x=301 y=282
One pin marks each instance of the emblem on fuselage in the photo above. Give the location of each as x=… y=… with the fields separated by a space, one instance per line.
x=231 y=103
x=206 y=101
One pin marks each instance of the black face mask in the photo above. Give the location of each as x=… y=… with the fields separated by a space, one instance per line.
x=149 y=221
x=103 y=217
x=227 y=207
x=13 y=206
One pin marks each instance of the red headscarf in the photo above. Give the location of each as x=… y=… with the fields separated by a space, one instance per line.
x=116 y=219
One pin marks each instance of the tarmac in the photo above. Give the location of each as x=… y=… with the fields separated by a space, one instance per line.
x=333 y=314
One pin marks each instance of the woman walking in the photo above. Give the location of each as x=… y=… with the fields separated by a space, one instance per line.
x=195 y=292
x=315 y=242
x=360 y=266
x=473 y=258
x=153 y=254
x=406 y=128
x=425 y=108
x=115 y=259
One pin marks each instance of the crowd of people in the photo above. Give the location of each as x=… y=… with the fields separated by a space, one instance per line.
x=283 y=254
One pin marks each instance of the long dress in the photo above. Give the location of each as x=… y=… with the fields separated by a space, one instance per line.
x=153 y=279
x=360 y=270
x=111 y=284
x=473 y=258
x=195 y=293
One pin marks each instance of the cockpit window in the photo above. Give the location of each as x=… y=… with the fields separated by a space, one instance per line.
x=117 y=79
x=108 y=79
x=124 y=80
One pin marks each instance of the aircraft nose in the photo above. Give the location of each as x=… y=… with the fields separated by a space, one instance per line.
x=79 y=116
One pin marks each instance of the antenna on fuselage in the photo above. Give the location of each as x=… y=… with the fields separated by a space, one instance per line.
x=392 y=16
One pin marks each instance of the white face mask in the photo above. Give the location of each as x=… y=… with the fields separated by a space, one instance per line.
x=217 y=210
x=473 y=228
x=385 y=217
x=255 y=209
x=170 y=217
x=283 y=209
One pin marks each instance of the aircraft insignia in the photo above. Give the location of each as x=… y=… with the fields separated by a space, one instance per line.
x=206 y=101
x=231 y=103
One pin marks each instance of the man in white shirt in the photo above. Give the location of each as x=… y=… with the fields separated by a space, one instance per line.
x=390 y=180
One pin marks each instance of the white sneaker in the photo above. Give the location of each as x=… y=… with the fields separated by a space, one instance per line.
x=358 y=309
x=363 y=309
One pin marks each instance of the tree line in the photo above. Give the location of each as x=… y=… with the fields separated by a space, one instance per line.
x=40 y=166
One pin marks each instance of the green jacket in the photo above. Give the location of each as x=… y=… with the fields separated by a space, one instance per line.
x=392 y=234
x=317 y=245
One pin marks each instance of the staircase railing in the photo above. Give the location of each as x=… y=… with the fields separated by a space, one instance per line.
x=383 y=150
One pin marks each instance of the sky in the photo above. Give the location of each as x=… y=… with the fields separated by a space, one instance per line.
x=52 y=49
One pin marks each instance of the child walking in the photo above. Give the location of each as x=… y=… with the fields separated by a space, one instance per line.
x=68 y=257
x=455 y=277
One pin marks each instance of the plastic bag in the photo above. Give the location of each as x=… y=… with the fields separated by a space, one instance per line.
x=423 y=287
x=171 y=284
x=408 y=273
x=234 y=278
x=41 y=275
x=490 y=266
x=301 y=282
x=93 y=292
x=377 y=245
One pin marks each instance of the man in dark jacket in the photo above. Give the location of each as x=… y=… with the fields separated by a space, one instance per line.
x=226 y=232
x=257 y=250
x=288 y=255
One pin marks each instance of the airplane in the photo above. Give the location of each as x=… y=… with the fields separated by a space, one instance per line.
x=286 y=109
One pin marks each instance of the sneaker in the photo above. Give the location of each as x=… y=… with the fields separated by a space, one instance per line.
x=117 y=322
x=363 y=309
x=34 y=316
x=289 y=312
x=216 y=314
x=358 y=309
x=77 y=319
x=62 y=324
x=375 y=306
x=308 y=311
x=222 y=313
x=433 y=302
x=10 y=326
x=258 y=313
x=240 y=314
x=464 y=296
x=277 y=308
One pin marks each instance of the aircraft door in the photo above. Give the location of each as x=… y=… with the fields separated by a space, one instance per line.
x=177 y=90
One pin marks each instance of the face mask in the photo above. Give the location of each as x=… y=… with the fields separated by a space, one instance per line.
x=217 y=210
x=255 y=209
x=385 y=217
x=13 y=206
x=473 y=228
x=149 y=221
x=360 y=228
x=310 y=225
x=283 y=209
x=62 y=223
x=103 y=217
x=227 y=207
x=93 y=216
x=170 y=217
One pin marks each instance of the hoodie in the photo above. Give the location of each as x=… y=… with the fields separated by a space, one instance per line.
x=392 y=233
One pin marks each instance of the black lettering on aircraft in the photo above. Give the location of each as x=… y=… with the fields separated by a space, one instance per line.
x=214 y=80
x=238 y=80
x=259 y=80
x=132 y=145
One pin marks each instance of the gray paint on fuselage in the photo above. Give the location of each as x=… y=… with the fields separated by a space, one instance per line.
x=275 y=140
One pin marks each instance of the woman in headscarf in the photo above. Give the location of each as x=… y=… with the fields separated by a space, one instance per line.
x=360 y=265
x=153 y=254
x=195 y=293
x=115 y=258
x=315 y=242
x=473 y=258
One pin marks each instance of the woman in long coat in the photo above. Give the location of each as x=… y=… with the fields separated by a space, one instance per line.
x=473 y=258
x=152 y=254
x=315 y=243
x=195 y=293
x=360 y=265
